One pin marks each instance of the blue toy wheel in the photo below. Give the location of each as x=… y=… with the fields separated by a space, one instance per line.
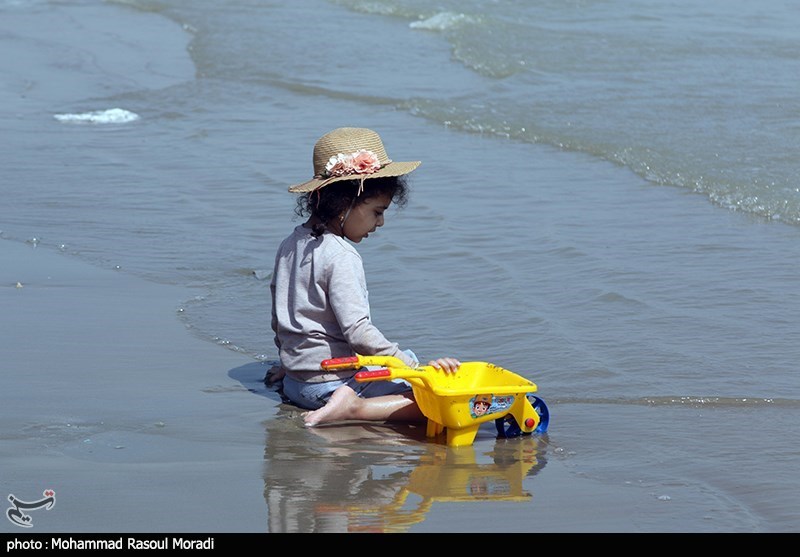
x=507 y=426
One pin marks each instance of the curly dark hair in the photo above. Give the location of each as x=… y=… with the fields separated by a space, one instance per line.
x=329 y=202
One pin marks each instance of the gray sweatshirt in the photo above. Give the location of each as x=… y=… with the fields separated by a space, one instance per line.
x=320 y=305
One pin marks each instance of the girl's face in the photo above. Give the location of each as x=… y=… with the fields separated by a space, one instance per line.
x=365 y=217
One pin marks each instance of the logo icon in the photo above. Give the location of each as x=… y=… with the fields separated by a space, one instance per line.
x=16 y=515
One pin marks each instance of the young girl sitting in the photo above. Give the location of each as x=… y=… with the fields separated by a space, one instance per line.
x=320 y=308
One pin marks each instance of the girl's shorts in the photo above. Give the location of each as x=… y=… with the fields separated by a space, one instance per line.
x=311 y=396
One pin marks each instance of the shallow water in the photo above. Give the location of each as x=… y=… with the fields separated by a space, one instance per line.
x=607 y=202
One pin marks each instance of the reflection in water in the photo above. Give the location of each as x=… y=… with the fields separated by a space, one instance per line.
x=382 y=478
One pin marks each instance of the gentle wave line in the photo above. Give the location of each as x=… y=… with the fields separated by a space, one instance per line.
x=686 y=400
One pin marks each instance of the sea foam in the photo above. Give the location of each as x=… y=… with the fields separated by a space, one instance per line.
x=109 y=116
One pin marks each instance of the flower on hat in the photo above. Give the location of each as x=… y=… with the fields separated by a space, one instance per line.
x=360 y=162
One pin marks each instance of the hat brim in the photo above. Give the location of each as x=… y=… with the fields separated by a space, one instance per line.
x=391 y=169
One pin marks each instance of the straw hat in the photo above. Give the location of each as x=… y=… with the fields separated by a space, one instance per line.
x=351 y=154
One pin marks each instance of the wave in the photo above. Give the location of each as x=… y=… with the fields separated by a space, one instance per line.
x=693 y=401
x=107 y=116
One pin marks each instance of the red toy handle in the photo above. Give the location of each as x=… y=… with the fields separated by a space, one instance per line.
x=346 y=362
x=373 y=375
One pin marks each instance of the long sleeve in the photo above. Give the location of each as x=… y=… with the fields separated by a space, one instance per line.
x=320 y=303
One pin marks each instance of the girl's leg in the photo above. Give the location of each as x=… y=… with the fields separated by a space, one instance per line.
x=345 y=404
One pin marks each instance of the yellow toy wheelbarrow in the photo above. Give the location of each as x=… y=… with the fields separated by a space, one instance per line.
x=460 y=402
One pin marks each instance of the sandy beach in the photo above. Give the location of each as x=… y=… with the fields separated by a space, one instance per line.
x=111 y=402
x=139 y=427
x=171 y=437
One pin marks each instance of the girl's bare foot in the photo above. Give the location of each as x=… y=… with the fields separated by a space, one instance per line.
x=339 y=407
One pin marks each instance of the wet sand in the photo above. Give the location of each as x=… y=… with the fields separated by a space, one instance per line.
x=138 y=426
x=110 y=401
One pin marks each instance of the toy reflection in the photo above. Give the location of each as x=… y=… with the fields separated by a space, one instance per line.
x=382 y=478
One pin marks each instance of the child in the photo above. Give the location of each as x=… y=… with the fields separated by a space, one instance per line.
x=320 y=308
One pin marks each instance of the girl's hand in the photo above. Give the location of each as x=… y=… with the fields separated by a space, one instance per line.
x=449 y=365
x=274 y=375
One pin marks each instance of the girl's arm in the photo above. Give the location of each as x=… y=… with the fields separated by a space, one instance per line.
x=347 y=292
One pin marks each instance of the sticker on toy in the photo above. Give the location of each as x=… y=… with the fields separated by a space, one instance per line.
x=484 y=404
